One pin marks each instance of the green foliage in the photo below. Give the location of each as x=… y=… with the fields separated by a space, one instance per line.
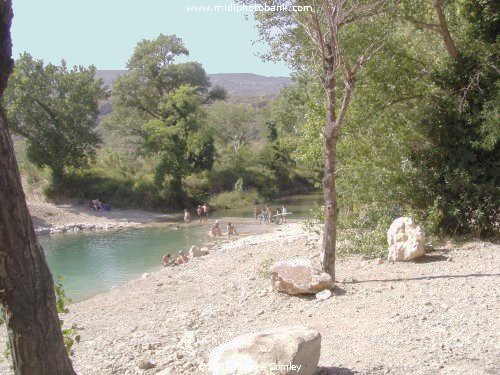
x=157 y=106
x=235 y=125
x=265 y=267
x=235 y=199
x=459 y=166
x=126 y=192
x=55 y=110
x=70 y=335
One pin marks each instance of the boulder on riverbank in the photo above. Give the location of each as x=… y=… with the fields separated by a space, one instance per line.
x=299 y=276
x=406 y=240
x=284 y=350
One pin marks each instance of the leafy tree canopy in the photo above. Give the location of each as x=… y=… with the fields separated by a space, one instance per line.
x=55 y=109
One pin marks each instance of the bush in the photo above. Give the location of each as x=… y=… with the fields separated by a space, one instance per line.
x=118 y=192
x=363 y=231
x=234 y=199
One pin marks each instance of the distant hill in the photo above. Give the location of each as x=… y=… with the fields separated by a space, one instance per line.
x=243 y=85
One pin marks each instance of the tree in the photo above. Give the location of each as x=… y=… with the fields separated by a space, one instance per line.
x=56 y=110
x=235 y=125
x=318 y=37
x=438 y=22
x=27 y=289
x=158 y=105
x=460 y=165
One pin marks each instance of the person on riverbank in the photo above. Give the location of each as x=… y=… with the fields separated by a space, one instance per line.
x=96 y=204
x=187 y=216
x=199 y=212
x=215 y=229
x=231 y=230
x=206 y=210
x=256 y=211
x=167 y=260
x=181 y=258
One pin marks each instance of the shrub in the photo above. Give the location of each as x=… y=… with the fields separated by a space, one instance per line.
x=234 y=199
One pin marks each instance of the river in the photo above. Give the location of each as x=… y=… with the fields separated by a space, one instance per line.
x=93 y=262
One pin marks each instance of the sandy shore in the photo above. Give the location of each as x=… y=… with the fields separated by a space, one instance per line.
x=69 y=215
x=439 y=315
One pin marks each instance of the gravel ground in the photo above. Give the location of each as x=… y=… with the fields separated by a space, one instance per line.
x=439 y=315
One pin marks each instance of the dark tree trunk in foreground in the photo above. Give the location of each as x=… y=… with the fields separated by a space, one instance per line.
x=26 y=285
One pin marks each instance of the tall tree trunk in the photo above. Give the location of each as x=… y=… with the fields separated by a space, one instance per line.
x=330 y=137
x=26 y=285
x=444 y=31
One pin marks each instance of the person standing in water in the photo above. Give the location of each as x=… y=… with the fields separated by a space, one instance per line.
x=199 y=212
x=206 y=210
x=283 y=213
x=187 y=216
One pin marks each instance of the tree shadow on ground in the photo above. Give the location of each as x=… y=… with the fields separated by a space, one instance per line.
x=338 y=291
x=333 y=371
x=430 y=277
x=427 y=258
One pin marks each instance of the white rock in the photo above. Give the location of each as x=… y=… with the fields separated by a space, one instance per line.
x=145 y=275
x=406 y=240
x=299 y=276
x=323 y=295
x=284 y=350
x=188 y=338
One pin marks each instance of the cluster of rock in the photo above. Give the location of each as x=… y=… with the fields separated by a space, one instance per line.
x=283 y=350
x=77 y=228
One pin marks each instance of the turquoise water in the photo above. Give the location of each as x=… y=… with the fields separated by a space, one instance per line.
x=93 y=262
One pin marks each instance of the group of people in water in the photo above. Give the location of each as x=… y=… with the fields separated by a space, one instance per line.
x=266 y=215
x=201 y=211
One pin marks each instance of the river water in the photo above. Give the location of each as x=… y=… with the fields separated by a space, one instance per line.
x=93 y=262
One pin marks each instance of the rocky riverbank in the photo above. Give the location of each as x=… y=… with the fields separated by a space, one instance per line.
x=71 y=216
x=437 y=315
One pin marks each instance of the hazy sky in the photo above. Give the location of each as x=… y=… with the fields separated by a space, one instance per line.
x=105 y=32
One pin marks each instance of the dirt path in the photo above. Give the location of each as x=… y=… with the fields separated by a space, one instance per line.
x=436 y=316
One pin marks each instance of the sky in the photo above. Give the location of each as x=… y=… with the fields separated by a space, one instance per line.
x=105 y=32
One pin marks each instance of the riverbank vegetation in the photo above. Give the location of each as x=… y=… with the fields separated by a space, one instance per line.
x=420 y=135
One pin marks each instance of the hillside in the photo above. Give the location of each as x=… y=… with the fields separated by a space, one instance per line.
x=237 y=84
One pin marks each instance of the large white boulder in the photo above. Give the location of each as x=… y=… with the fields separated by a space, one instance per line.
x=283 y=350
x=406 y=240
x=299 y=276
